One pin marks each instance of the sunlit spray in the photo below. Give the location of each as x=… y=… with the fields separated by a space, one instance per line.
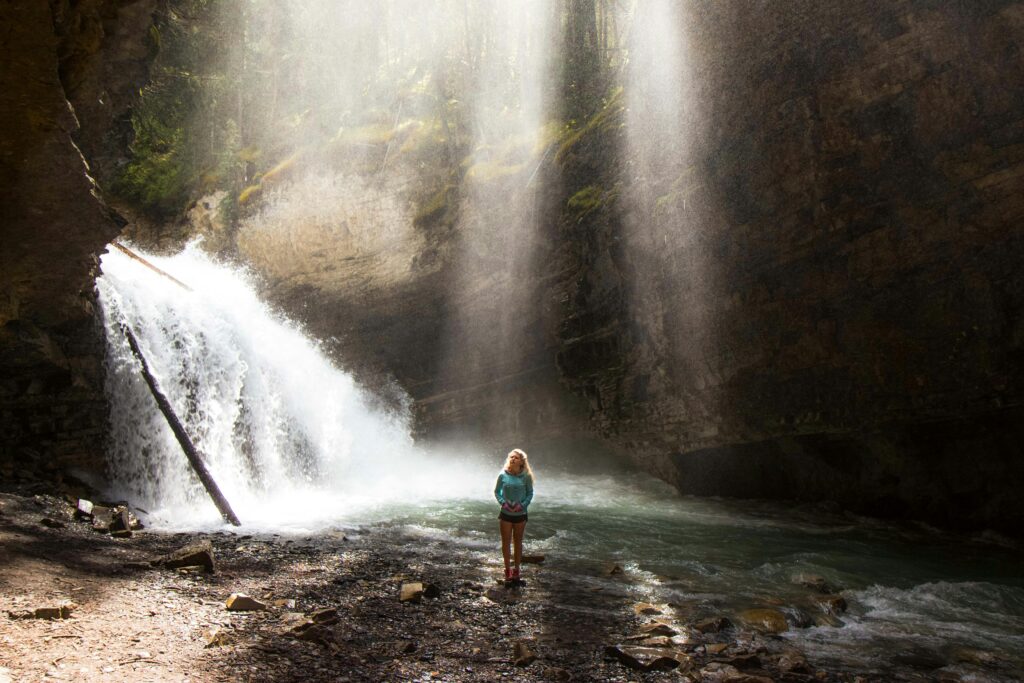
x=290 y=438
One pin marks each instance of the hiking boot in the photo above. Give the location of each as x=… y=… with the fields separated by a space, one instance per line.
x=508 y=575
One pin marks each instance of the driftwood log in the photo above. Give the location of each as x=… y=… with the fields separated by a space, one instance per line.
x=194 y=458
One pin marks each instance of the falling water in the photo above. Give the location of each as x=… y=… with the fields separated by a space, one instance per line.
x=290 y=438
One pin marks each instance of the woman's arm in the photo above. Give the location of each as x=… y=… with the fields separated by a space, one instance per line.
x=497 y=492
x=529 y=492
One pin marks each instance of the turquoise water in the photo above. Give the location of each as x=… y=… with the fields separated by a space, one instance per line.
x=919 y=600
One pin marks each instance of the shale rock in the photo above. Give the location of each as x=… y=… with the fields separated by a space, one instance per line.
x=198 y=554
x=646 y=608
x=713 y=625
x=832 y=604
x=240 y=602
x=62 y=611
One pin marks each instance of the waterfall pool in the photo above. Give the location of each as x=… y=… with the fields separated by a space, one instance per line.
x=299 y=448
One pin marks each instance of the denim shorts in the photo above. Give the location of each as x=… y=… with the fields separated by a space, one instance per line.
x=515 y=519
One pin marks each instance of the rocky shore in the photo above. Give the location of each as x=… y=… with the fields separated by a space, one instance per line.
x=364 y=604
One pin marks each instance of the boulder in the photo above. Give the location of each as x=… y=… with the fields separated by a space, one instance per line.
x=411 y=592
x=102 y=517
x=522 y=655
x=765 y=620
x=615 y=570
x=240 y=602
x=198 y=554
x=119 y=520
x=52 y=523
x=532 y=559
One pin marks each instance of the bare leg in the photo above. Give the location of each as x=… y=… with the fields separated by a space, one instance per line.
x=517 y=534
x=506 y=539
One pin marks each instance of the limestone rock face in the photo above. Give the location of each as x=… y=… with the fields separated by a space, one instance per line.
x=54 y=221
x=824 y=299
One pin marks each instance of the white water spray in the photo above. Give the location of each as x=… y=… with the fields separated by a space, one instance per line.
x=292 y=440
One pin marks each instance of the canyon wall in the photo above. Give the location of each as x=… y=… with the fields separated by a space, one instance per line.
x=68 y=73
x=825 y=302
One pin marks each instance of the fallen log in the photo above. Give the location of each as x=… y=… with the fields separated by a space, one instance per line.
x=191 y=453
x=131 y=254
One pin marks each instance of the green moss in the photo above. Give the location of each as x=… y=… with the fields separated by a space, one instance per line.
x=607 y=118
x=589 y=199
x=435 y=208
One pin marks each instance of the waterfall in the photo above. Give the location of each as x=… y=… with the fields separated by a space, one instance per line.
x=290 y=438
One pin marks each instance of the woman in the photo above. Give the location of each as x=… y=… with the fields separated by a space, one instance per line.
x=514 y=491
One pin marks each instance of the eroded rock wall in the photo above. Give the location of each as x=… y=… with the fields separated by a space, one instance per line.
x=829 y=292
x=55 y=223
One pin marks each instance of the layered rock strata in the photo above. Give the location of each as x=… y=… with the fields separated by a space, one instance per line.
x=54 y=220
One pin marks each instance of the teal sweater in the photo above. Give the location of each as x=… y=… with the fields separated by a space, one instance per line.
x=514 y=488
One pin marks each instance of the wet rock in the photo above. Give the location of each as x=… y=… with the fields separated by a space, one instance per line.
x=198 y=554
x=765 y=620
x=532 y=559
x=522 y=655
x=646 y=658
x=83 y=509
x=615 y=570
x=647 y=608
x=814 y=582
x=827 y=620
x=716 y=648
x=832 y=604
x=62 y=611
x=974 y=656
x=431 y=591
x=657 y=628
x=798 y=618
x=745 y=661
x=793 y=662
x=411 y=592
x=52 y=523
x=713 y=625
x=287 y=603
x=240 y=602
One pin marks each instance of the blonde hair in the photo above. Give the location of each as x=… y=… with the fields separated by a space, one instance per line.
x=526 y=461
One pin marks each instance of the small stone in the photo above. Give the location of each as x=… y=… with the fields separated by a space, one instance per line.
x=553 y=673
x=647 y=659
x=715 y=648
x=52 y=523
x=217 y=637
x=287 y=603
x=765 y=620
x=713 y=625
x=240 y=602
x=615 y=570
x=645 y=608
x=83 y=508
x=532 y=559
x=324 y=617
x=522 y=655
x=411 y=592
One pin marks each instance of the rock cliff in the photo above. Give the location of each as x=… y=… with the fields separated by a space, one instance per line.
x=68 y=71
